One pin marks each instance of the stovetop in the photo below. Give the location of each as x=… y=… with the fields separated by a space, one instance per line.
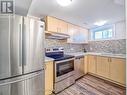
x=58 y=56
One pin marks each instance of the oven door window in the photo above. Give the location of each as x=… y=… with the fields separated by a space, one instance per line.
x=64 y=67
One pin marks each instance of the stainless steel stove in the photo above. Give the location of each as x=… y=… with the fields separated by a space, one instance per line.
x=63 y=68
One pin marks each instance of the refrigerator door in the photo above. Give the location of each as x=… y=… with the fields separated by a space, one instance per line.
x=16 y=88
x=10 y=44
x=33 y=45
x=35 y=85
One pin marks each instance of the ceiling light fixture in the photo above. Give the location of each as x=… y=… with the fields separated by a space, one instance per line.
x=100 y=23
x=64 y=2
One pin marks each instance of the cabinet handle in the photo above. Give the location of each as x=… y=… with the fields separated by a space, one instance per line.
x=20 y=45
x=60 y=30
x=110 y=59
x=57 y=29
x=45 y=67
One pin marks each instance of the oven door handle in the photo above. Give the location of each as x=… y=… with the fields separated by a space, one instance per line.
x=64 y=60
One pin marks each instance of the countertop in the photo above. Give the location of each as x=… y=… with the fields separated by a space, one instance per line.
x=48 y=59
x=76 y=54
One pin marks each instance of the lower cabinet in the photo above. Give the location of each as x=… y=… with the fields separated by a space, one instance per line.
x=92 y=64
x=86 y=64
x=118 y=70
x=49 y=78
x=113 y=69
x=102 y=66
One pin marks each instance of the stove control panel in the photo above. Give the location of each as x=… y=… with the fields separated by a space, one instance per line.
x=55 y=49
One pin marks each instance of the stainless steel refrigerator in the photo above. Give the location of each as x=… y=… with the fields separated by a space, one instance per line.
x=21 y=55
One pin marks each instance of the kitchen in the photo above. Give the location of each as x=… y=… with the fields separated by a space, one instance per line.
x=63 y=47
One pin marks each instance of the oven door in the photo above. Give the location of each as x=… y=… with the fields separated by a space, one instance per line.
x=64 y=69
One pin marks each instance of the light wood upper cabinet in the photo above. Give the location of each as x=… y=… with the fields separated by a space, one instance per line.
x=72 y=30
x=62 y=27
x=56 y=25
x=103 y=66
x=84 y=35
x=77 y=34
x=51 y=24
x=49 y=78
x=92 y=64
x=118 y=70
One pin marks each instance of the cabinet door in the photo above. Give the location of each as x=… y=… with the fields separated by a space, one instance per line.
x=118 y=70
x=77 y=34
x=51 y=24
x=62 y=27
x=71 y=31
x=103 y=66
x=92 y=64
x=85 y=64
x=49 y=78
x=84 y=35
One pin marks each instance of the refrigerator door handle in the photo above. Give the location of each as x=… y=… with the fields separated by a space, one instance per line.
x=23 y=45
x=20 y=45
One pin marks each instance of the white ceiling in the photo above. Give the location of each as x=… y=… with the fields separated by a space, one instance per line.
x=22 y=6
x=81 y=12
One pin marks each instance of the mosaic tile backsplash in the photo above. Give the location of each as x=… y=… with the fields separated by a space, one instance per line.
x=63 y=43
x=108 y=46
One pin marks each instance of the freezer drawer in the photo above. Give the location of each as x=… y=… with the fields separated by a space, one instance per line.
x=31 y=84
x=35 y=85
x=16 y=88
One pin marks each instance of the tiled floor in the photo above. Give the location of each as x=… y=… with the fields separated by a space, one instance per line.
x=89 y=85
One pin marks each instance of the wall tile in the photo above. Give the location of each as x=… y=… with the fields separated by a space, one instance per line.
x=49 y=43
x=109 y=46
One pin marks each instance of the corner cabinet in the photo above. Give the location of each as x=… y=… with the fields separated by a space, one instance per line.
x=49 y=78
x=77 y=34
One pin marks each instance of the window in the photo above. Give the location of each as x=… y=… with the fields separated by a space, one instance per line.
x=104 y=32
